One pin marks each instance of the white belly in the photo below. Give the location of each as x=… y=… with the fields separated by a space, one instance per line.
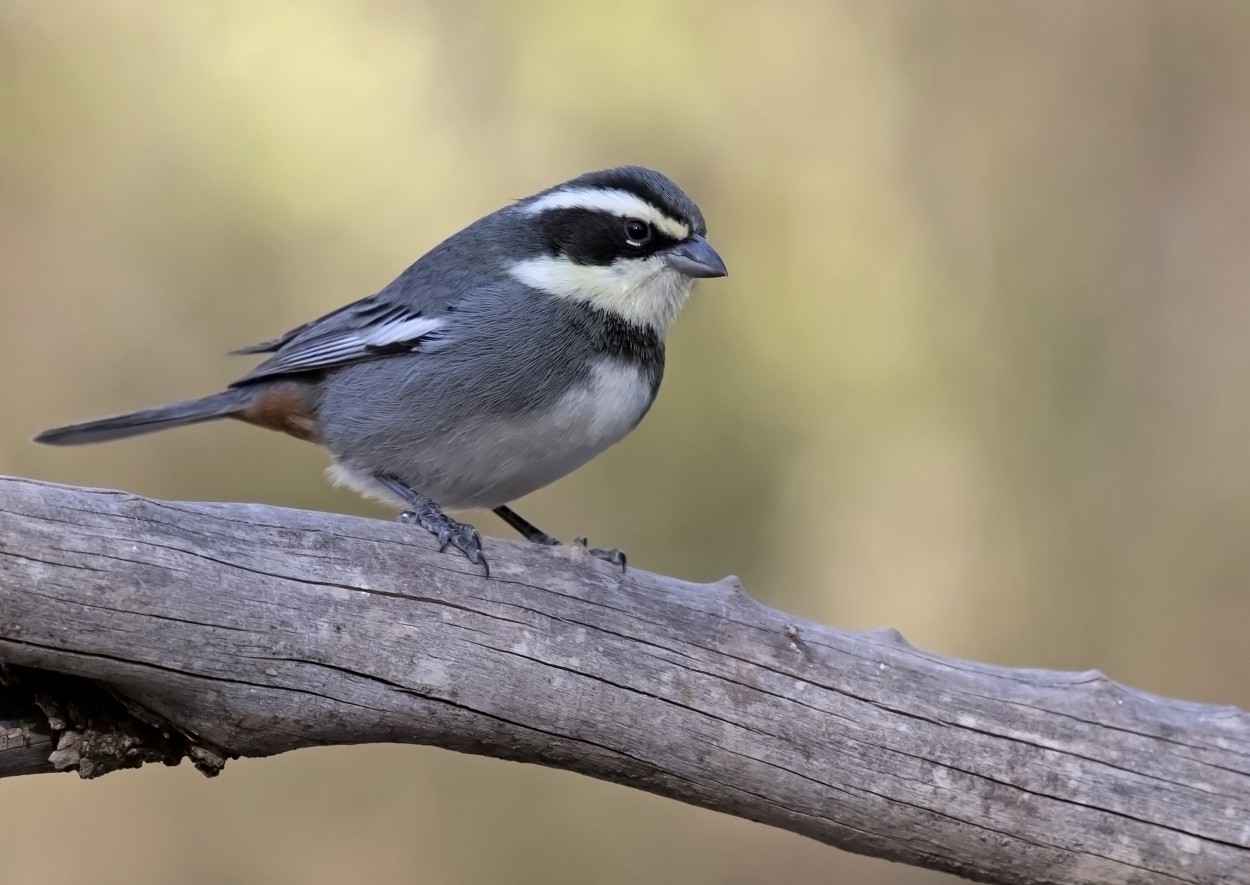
x=497 y=461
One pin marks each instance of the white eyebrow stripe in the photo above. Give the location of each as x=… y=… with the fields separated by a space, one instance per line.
x=613 y=200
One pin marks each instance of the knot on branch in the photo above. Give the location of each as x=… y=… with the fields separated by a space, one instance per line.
x=95 y=730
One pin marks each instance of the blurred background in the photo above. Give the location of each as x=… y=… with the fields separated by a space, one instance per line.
x=979 y=372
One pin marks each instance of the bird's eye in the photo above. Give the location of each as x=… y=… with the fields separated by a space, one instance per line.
x=637 y=232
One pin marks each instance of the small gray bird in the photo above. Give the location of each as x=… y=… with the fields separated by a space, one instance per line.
x=504 y=358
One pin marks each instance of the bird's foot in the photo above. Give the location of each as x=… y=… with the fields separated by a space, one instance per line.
x=535 y=535
x=425 y=512
x=450 y=533
x=613 y=555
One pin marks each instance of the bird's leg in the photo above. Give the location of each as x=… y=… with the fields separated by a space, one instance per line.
x=535 y=535
x=426 y=513
x=527 y=529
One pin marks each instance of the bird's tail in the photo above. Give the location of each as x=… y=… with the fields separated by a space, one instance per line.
x=218 y=405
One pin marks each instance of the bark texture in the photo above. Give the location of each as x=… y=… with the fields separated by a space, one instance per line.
x=135 y=630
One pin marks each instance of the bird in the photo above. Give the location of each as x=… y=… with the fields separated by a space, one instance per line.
x=504 y=358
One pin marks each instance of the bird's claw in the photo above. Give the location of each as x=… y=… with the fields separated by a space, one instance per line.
x=450 y=533
x=613 y=555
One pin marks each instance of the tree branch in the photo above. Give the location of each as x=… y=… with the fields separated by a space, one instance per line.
x=138 y=630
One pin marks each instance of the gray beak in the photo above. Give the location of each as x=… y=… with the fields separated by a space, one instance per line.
x=696 y=259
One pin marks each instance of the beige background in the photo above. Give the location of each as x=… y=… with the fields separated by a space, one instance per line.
x=979 y=373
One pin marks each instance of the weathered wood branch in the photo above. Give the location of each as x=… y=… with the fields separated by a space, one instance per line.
x=135 y=629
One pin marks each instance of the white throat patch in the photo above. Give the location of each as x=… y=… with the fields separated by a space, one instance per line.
x=613 y=200
x=645 y=291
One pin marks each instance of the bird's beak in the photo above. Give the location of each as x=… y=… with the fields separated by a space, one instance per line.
x=696 y=259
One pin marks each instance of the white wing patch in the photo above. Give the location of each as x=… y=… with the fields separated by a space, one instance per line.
x=615 y=201
x=395 y=328
x=395 y=331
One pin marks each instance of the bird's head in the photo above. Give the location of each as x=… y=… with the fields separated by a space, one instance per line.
x=625 y=240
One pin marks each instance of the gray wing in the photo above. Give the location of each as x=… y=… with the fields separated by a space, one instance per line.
x=373 y=327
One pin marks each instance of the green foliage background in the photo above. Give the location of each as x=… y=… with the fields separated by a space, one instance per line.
x=979 y=372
